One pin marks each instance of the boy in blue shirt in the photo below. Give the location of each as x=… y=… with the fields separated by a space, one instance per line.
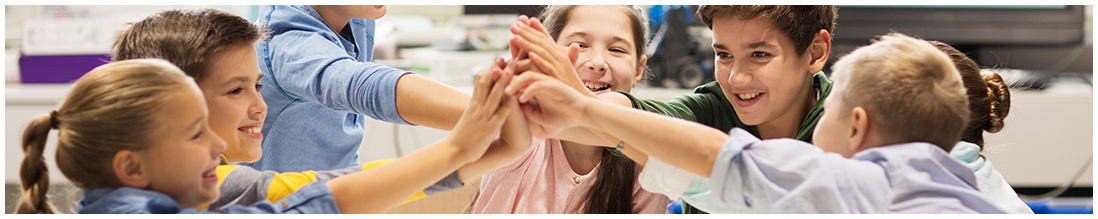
x=319 y=83
x=897 y=108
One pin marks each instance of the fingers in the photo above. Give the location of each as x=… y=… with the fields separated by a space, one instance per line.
x=482 y=82
x=497 y=93
x=520 y=82
x=500 y=62
x=540 y=40
x=502 y=114
x=536 y=32
x=543 y=63
x=569 y=77
x=515 y=50
x=573 y=53
x=539 y=87
x=536 y=24
x=522 y=66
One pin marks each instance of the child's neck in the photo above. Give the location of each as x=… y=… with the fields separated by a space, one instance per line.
x=582 y=158
x=334 y=20
x=788 y=125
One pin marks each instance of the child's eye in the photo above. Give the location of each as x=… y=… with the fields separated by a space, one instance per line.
x=236 y=91
x=760 y=54
x=197 y=135
x=258 y=86
x=723 y=55
x=618 y=50
x=581 y=45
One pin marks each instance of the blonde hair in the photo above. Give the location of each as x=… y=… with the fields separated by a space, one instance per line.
x=911 y=91
x=111 y=108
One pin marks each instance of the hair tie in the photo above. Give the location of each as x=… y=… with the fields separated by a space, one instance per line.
x=53 y=119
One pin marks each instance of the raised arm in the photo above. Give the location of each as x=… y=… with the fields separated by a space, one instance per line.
x=514 y=140
x=426 y=102
x=681 y=143
x=381 y=188
x=331 y=77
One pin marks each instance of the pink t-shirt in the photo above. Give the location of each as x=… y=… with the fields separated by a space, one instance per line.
x=542 y=182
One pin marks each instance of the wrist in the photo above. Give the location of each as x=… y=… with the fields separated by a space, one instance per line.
x=588 y=107
x=459 y=154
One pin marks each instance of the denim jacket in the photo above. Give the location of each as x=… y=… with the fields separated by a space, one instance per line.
x=314 y=198
x=318 y=85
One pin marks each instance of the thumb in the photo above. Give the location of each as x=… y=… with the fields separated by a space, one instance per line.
x=573 y=53
x=515 y=50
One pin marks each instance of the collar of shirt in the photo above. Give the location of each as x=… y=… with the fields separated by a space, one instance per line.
x=918 y=157
x=125 y=200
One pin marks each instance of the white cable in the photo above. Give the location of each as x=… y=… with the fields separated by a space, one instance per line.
x=1062 y=188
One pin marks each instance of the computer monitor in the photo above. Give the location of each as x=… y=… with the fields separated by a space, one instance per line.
x=983 y=25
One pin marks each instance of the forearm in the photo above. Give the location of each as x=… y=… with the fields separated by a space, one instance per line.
x=587 y=136
x=426 y=102
x=379 y=189
x=684 y=144
x=498 y=155
x=513 y=142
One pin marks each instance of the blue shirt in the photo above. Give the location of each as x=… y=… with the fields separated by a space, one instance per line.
x=314 y=198
x=318 y=86
x=988 y=179
x=791 y=176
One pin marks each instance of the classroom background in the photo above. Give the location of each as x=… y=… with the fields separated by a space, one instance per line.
x=1044 y=52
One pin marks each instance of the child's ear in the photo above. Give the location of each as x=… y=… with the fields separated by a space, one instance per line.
x=819 y=50
x=640 y=70
x=859 y=135
x=127 y=166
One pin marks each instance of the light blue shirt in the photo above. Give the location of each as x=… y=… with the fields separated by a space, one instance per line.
x=696 y=192
x=318 y=86
x=988 y=179
x=791 y=176
x=314 y=198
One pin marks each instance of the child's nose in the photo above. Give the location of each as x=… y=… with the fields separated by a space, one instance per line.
x=258 y=107
x=217 y=145
x=597 y=63
x=739 y=76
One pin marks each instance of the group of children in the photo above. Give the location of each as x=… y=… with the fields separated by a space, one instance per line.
x=203 y=111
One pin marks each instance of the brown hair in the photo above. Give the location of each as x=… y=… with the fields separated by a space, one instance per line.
x=910 y=90
x=555 y=17
x=988 y=96
x=112 y=108
x=612 y=192
x=798 y=22
x=185 y=38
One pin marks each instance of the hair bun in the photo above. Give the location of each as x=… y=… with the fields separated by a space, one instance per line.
x=998 y=99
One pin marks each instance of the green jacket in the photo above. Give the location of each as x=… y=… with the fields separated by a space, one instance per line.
x=709 y=106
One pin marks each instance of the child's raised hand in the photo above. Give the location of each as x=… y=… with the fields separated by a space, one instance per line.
x=557 y=106
x=532 y=39
x=488 y=108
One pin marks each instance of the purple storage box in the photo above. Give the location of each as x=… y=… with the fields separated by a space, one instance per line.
x=58 y=68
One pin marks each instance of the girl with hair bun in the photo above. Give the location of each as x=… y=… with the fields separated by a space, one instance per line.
x=988 y=104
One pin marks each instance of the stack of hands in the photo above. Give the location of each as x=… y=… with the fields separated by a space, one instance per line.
x=541 y=78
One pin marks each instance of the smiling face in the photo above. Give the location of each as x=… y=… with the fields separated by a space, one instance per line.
x=231 y=89
x=607 y=52
x=183 y=159
x=764 y=77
